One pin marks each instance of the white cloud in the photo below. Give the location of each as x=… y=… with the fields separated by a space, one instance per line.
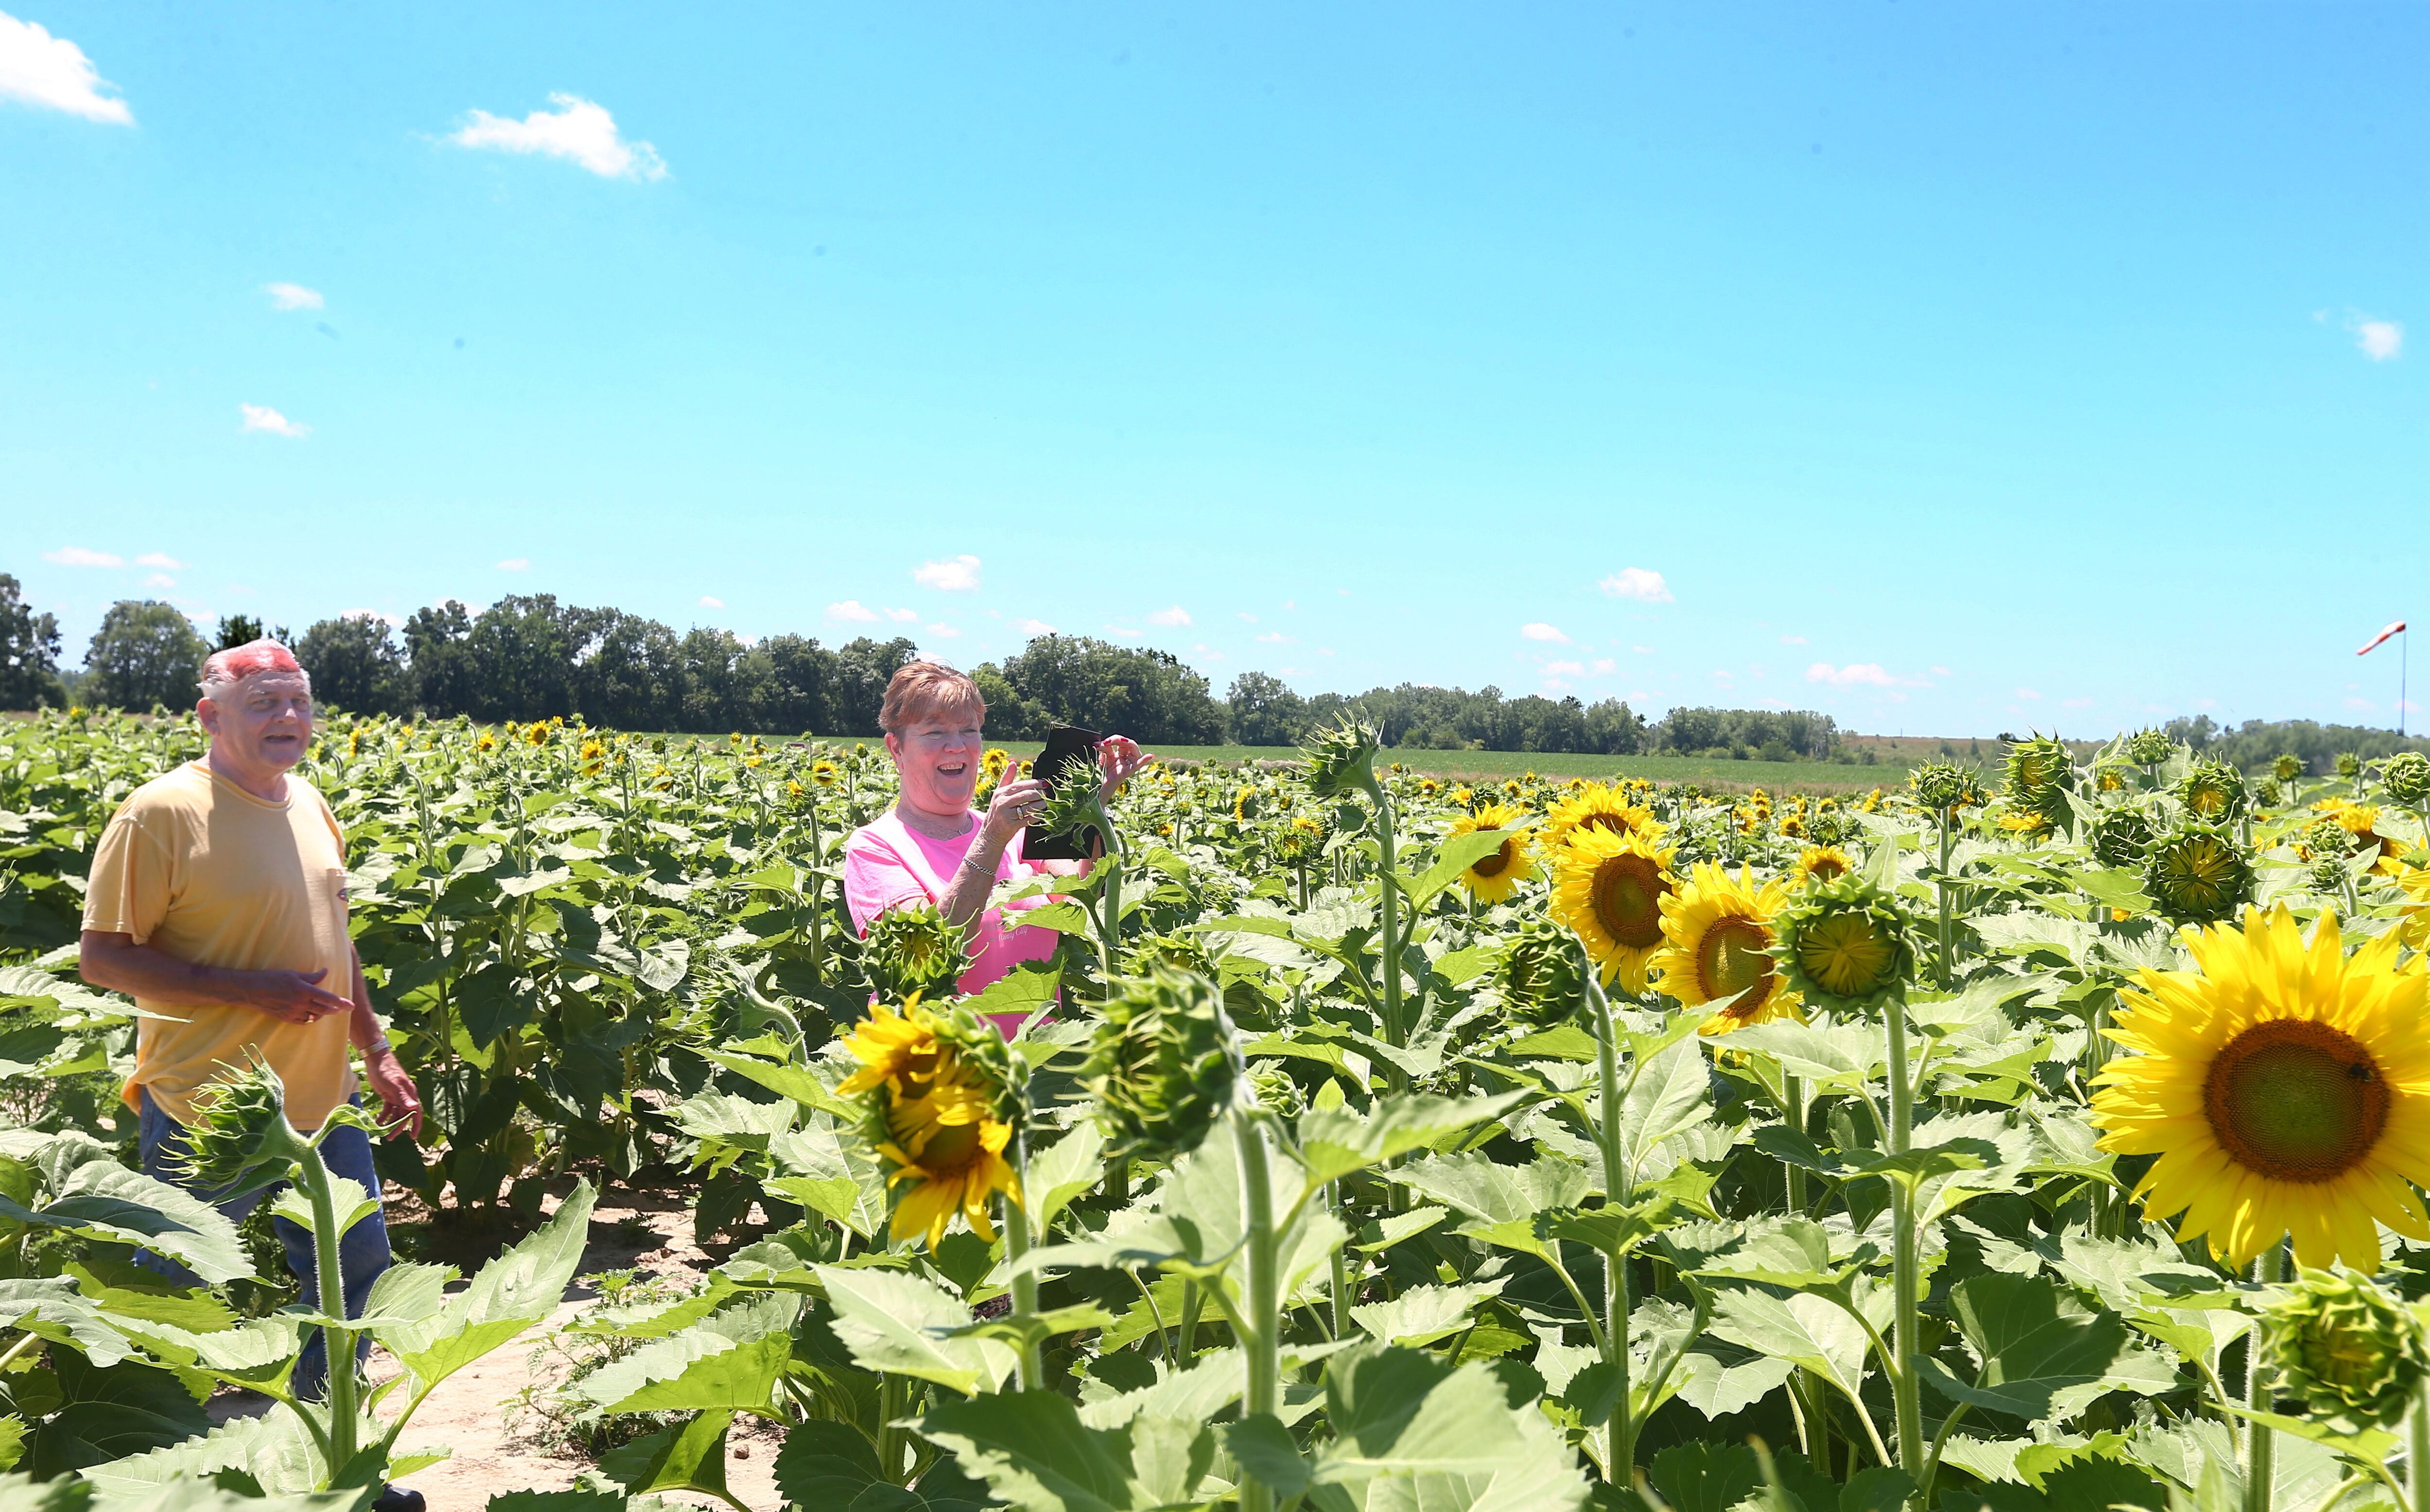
x=79 y=556
x=293 y=296
x=1794 y=640
x=515 y=564
x=2075 y=703
x=2361 y=705
x=1565 y=669
x=1866 y=673
x=1324 y=651
x=954 y=574
x=160 y=559
x=902 y=616
x=1274 y=637
x=709 y=602
x=851 y=609
x=270 y=423
x=578 y=129
x=1940 y=672
x=1246 y=615
x=1208 y=652
x=1290 y=604
x=159 y=580
x=944 y=631
x=1602 y=666
x=2379 y=340
x=1538 y=630
x=1174 y=616
x=2027 y=693
x=1123 y=632
x=1027 y=626
x=1642 y=651
x=53 y=73
x=1643 y=584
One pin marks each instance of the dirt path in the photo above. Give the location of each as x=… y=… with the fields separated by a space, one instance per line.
x=470 y=1412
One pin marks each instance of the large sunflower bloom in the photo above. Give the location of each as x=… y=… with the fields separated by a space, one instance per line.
x=1719 y=943
x=1494 y=877
x=1597 y=805
x=2285 y=1089
x=1608 y=888
x=950 y=1142
x=1818 y=863
x=897 y=1051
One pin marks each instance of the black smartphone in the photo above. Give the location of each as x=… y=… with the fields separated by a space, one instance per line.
x=1063 y=743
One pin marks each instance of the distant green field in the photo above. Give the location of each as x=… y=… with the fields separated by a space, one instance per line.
x=1736 y=777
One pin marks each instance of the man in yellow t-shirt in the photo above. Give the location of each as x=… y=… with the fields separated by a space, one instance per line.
x=218 y=900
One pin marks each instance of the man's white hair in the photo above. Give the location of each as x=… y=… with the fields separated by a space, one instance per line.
x=225 y=670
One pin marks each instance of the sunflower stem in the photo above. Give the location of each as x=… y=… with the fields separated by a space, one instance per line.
x=2260 y=1448
x=1344 y=1289
x=1792 y=1097
x=2417 y=1447
x=1621 y=1459
x=1261 y=1298
x=1904 y=1270
x=313 y=1175
x=1395 y=1033
x=1940 y=885
x=1025 y=1282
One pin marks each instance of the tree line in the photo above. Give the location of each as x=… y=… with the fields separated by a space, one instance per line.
x=531 y=656
x=2254 y=744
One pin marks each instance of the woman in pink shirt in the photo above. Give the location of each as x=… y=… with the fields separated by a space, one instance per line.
x=932 y=846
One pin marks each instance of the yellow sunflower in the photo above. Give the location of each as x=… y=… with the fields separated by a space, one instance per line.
x=1609 y=889
x=1818 y=863
x=1496 y=877
x=950 y=1142
x=2415 y=929
x=2285 y=1088
x=2361 y=820
x=899 y=1052
x=1597 y=806
x=1719 y=939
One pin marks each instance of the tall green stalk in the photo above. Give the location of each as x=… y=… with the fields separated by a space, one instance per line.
x=1395 y=1033
x=1024 y=1281
x=313 y=1175
x=1621 y=1461
x=1947 y=936
x=1905 y=1272
x=2416 y=1448
x=2260 y=1444
x=1261 y=1298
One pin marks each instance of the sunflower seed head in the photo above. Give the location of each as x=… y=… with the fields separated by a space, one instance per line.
x=2212 y=792
x=1542 y=974
x=1846 y=943
x=2350 y=1350
x=2407 y=778
x=1161 y=1063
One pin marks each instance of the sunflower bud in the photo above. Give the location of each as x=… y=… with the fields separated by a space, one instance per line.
x=2349 y=765
x=1179 y=953
x=2123 y=837
x=2287 y=767
x=1276 y=1091
x=2347 y=1348
x=2269 y=794
x=1542 y=974
x=1846 y=943
x=2212 y=792
x=240 y=1140
x=2406 y=778
x=1945 y=787
x=1341 y=760
x=1076 y=802
x=2198 y=874
x=1160 y=1064
x=2039 y=774
x=2148 y=748
x=914 y=950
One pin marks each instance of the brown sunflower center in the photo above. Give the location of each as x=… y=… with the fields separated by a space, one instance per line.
x=1627 y=893
x=2296 y=1100
x=1494 y=865
x=1613 y=822
x=1828 y=867
x=1734 y=956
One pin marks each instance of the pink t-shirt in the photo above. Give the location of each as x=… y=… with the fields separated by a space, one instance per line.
x=887 y=862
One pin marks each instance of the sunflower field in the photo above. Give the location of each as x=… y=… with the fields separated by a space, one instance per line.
x=2045 y=1137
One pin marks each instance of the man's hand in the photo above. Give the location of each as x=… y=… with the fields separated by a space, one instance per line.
x=400 y=1103
x=293 y=997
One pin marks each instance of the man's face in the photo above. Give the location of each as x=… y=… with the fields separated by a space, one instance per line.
x=264 y=722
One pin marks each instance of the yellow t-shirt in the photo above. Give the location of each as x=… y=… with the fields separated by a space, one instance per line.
x=197 y=868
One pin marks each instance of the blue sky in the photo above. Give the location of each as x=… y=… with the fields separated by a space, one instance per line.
x=1948 y=369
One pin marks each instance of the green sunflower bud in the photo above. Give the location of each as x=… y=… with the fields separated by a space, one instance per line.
x=2123 y=837
x=2212 y=792
x=2148 y=748
x=1276 y=1091
x=1160 y=1064
x=1179 y=953
x=1341 y=760
x=1542 y=974
x=1076 y=802
x=2349 y=765
x=2286 y=768
x=914 y=949
x=2347 y=1349
x=240 y=1140
x=2198 y=874
x=1846 y=943
x=2406 y=778
x=2269 y=794
x=2040 y=772
x=1945 y=787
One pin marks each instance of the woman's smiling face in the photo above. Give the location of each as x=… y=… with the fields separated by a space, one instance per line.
x=938 y=756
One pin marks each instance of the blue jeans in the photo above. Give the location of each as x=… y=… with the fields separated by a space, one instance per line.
x=362 y=1255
